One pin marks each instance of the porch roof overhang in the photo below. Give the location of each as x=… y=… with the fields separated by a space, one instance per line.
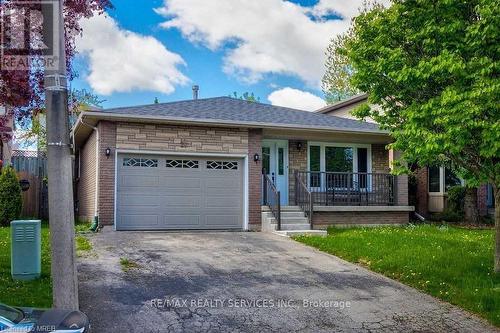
x=88 y=119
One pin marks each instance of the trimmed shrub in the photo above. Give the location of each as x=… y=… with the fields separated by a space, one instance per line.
x=456 y=199
x=11 y=200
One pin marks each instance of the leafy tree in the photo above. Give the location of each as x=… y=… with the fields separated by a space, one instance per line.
x=79 y=100
x=156 y=101
x=22 y=90
x=11 y=200
x=245 y=96
x=433 y=68
x=336 y=83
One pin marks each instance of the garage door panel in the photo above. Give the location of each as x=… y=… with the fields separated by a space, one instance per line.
x=227 y=182
x=182 y=221
x=221 y=221
x=181 y=201
x=169 y=192
x=139 y=220
x=139 y=200
x=222 y=202
x=181 y=183
x=139 y=181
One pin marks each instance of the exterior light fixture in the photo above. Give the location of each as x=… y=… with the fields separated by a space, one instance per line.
x=256 y=157
x=108 y=152
x=299 y=145
x=25 y=184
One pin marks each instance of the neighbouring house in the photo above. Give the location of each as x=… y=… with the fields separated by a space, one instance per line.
x=224 y=163
x=431 y=183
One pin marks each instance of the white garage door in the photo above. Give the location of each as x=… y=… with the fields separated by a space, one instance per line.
x=179 y=192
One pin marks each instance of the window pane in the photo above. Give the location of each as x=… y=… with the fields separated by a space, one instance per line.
x=450 y=179
x=362 y=160
x=266 y=153
x=338 y=159
x=281 y=161
x=362 y=167
x=434 y=179
x=314 y=165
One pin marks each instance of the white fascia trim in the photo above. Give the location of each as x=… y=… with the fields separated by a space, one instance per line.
x=246 y=186
x=193 y=121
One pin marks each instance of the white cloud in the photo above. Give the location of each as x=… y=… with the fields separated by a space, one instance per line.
x=271 y=36
x=122 y=61
x=297 y=99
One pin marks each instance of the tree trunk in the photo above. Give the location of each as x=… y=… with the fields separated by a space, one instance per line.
x=496 y=190
x=470 y=206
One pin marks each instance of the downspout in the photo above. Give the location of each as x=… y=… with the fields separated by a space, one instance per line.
x=97 y=169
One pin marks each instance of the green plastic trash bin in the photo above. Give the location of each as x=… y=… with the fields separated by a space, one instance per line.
x=26 y=248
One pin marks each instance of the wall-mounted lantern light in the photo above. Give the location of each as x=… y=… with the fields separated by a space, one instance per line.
x=25 y=184
x=108 y=152
x=299 y=145
x=256 y=157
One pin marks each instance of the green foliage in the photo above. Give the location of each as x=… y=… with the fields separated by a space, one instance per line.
x=156 y=101
x=78 y=101
x=36 y=293
x=453 y=264
x=246 y=96
x=456 y=199
x=128 y=264
x=447 y=215
x=335 y=83
x=433 y=68
x=11 y=201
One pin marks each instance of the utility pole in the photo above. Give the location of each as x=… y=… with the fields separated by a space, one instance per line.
x=60 y=175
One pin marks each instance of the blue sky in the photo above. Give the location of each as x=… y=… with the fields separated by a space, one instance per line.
x=148 y=49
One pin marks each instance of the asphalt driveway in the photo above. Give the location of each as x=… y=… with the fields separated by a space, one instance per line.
x=246 y=282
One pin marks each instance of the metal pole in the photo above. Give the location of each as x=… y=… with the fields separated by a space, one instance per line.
x=61 y=210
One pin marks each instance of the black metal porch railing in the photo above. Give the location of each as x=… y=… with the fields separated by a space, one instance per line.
x=303 y=198
x=272 y=198
x=349 y=188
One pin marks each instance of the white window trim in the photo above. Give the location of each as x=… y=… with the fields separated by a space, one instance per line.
x=322 y=154
x=442 y=185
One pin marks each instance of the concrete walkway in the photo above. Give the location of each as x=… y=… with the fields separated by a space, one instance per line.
x=247 y=282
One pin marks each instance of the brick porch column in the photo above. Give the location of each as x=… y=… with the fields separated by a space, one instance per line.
x=254 y=179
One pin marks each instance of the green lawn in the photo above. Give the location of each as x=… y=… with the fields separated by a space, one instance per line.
x=453 y=264
x=36 y=293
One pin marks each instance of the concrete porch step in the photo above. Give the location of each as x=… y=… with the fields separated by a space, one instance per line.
x=283 y=209
x=288 y=214
x=289 y=233
x=292 y=220
x=294 y=226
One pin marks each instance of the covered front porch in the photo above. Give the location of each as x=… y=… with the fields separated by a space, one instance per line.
x=333 y=180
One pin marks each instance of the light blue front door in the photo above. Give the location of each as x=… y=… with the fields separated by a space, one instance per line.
x=275 y=163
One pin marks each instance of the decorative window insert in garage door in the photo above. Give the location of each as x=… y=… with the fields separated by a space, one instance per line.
x=175 y=192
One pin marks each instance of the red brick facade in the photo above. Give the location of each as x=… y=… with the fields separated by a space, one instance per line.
x=380 y=159
x=297 y=160
x=482 y=200
x=254 y=179
x=422 y=196
x=201 y=139
x=322 y=220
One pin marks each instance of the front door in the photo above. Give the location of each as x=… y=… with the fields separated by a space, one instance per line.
x=275 y=164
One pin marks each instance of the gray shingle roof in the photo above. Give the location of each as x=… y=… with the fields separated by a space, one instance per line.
x=227 y=109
